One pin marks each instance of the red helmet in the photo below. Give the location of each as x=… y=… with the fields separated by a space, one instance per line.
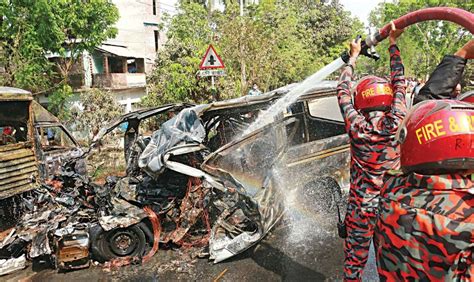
x=437 y=136
x=373 y=94
x=466 y=97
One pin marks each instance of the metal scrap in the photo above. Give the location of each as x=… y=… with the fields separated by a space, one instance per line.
x=183 y=204
x=193 y=183
x=122 y=214
x=11 y=265
x=73 y=249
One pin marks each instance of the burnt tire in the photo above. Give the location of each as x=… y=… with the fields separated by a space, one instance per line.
x=132 y=241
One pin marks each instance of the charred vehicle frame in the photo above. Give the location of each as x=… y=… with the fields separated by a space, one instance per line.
x=196 y=182
x=36 y=146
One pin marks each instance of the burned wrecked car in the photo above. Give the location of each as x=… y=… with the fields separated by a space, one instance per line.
x=227 y=186
x=33 y=144
x=197 y=181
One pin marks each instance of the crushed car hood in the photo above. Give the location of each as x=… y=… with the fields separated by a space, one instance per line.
x=246 y=166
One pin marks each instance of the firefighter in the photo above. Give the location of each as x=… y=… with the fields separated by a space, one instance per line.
x=371 y=122
x=426 y=216
x=447 y=75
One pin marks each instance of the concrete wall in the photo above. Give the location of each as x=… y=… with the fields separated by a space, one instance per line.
x=136 y=28
x=129 y=98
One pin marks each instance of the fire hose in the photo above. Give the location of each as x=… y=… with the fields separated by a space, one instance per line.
x=455 y=15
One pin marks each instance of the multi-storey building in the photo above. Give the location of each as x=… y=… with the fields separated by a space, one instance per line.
x=120 y=64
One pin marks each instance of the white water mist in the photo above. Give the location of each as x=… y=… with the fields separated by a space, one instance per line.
x=310 y=82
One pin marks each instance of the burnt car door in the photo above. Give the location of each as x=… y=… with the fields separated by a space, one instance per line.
x=319 y=156
x=55 y=145
x=251 y=165
x=134 y=138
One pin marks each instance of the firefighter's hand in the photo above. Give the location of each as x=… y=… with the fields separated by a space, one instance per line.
x=355 y=48
x=394 y=34
x=467 y=51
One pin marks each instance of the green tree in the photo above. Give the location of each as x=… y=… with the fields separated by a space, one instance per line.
x=273 y=44
x=175 y=74
x=100 y=108
x=25 y=65
x=30 y=29
x=285 y=41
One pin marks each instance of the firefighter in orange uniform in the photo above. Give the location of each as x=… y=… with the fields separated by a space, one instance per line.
x=371 y=122
x=425 y=230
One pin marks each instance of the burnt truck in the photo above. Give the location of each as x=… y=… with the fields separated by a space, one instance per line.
x=198 y=180
x=33 y=145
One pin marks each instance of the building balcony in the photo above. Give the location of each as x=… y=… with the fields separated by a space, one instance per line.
x=119 y=80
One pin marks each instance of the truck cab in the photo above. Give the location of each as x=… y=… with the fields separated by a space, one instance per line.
x=33 y=143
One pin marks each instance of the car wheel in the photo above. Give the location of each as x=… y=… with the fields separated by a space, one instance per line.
x=132 y=241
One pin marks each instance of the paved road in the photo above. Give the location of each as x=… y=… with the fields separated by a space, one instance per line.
x=303 y=247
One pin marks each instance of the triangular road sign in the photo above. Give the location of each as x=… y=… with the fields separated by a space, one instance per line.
x=211 y=60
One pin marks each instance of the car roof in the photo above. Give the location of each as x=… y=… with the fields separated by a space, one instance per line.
x=324 y=88
x=14 y=94
x=237 y=104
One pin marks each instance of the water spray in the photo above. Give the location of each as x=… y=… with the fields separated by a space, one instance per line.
x=455 y=15
x=302 y=224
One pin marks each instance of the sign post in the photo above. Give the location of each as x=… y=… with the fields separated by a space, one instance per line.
x=211 y=65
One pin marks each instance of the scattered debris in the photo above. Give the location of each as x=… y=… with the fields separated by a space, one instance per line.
x=194 y=184
x=220 y=275
x=72 y=248
x=11 y=265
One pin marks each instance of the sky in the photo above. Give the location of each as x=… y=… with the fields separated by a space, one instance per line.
x=360 y=8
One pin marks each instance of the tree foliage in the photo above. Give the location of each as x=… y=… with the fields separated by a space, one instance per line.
x=99 y=108
x=31 y=29
x=23 y=46
x=174 y=77
x=424 y=44
x=273 y=44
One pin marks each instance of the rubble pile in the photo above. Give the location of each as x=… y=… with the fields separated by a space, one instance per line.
x=63 y=218
x=165 y=198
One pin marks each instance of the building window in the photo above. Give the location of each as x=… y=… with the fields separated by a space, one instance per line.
x=157 y=37
x=154 y=7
